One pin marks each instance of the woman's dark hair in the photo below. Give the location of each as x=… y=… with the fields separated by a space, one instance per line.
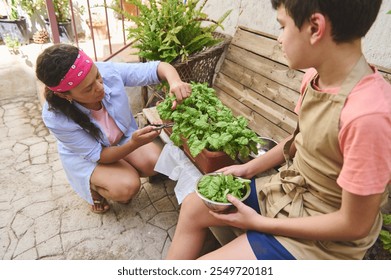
x=52 y=65
x=350 y=19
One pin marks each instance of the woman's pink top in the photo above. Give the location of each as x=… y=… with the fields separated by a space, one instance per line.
x=108 y=125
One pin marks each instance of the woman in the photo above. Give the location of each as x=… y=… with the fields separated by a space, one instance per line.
x=103 y=152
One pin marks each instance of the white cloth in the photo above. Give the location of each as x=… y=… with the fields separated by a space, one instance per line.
x=177 y=166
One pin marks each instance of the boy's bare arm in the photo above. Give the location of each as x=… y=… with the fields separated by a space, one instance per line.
x=269 y=160
x=352 y=221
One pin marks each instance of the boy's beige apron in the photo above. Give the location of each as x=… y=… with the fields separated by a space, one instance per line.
x=309 y=187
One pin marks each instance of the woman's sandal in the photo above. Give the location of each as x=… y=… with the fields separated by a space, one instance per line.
x=100 y=205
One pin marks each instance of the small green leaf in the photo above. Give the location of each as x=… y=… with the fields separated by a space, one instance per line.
x=387 y=219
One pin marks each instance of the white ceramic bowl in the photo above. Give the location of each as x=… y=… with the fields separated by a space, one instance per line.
x=220 y=207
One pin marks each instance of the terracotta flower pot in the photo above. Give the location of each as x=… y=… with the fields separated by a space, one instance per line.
x=208 y=161
x=130 y=8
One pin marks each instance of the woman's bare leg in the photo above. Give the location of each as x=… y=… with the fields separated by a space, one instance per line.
x=193 y=223
x=144 y=159
x=118 y=181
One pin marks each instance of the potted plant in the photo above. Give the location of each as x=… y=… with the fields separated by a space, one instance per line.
x=13 y=26
x=211 y=136
x=176 y=31
x=126 y=7
x=98 y=23
x=30 y=6
x=61 y=9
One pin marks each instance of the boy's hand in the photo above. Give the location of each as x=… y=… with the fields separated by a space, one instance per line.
x=239 y=170
x=245 y=217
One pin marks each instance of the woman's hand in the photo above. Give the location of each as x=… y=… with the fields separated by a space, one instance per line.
x=144 y=135
x=245 y=217
x=181 y=90
x=139 y=138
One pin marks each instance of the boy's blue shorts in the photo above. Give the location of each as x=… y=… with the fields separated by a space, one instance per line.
x=265 y=246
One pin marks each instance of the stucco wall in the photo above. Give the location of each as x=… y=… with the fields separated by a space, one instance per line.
x=259 y=15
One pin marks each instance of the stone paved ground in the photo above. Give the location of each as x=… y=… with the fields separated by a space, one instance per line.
x=40 y=216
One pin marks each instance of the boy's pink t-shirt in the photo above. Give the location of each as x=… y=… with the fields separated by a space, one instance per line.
x=110 y=128
x=365 y=134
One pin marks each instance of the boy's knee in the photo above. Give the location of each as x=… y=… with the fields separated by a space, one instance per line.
x=192 y=206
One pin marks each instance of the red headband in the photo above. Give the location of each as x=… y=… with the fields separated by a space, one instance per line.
x=76 y=74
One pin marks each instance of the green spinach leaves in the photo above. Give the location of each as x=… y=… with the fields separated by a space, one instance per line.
x=216 y=187
x=207 y=123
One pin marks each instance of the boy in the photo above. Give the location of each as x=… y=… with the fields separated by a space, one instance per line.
x=326 y=204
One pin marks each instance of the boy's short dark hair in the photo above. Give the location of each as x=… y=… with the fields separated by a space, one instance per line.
x=350 y=19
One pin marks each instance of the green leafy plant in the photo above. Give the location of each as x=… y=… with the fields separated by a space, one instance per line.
x=217 y=187
x=31 y=6
x=206 y=123
x=385 y=235
x=13 y=9
x=11 y=43
x=61 y=8
x=170 y=30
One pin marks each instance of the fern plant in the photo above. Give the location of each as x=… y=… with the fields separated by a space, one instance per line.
x=170 y=30
x=14 y=14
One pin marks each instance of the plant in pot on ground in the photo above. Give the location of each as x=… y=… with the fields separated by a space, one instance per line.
x=14 y=26
x=62 y=11
x=123 y=5
x=31 y=6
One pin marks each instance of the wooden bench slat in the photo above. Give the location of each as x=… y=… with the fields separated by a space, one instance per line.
x=256 y=103
x=271 y=90
x=260 y=45
x=277 y=72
